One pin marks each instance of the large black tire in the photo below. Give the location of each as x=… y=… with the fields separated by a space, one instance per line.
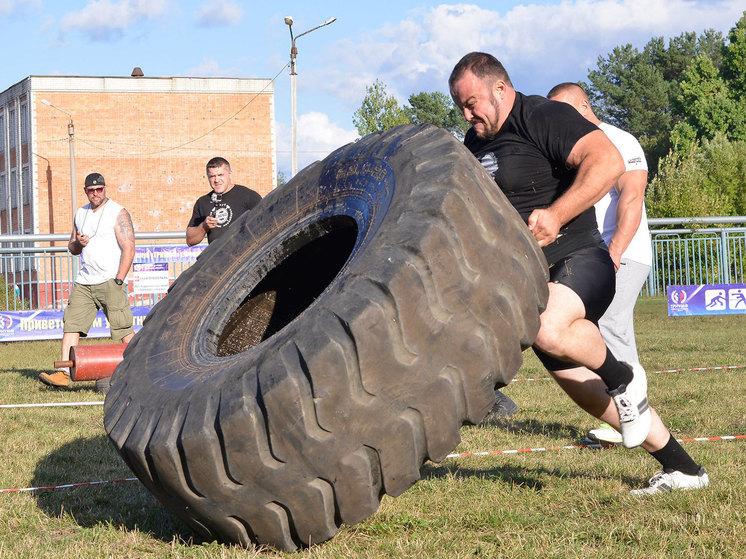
x=330 y=342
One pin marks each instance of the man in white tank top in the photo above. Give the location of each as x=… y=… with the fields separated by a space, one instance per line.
x=104 y=238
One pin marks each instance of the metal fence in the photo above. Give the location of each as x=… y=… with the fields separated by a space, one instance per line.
x=697 y=254
x=37 y=272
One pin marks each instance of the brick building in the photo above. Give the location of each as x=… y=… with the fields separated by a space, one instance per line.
x=149 y=137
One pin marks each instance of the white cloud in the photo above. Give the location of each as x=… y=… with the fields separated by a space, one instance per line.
x=213 y=13
x=540 y=45
x=317 y=138
x=104 y=19
x=7 y=7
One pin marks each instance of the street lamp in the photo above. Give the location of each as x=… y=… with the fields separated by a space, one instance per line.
x=71 y=142
x=293 y=54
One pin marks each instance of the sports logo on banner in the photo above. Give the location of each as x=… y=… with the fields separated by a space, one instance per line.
x=722 y=298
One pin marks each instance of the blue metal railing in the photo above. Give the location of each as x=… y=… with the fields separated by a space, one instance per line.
x=36 y=275
x=696 y=254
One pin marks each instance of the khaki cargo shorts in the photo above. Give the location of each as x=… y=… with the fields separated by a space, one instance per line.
x=86 y=300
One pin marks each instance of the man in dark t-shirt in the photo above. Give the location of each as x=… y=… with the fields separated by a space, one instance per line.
x=553 y=165
x=216 y=210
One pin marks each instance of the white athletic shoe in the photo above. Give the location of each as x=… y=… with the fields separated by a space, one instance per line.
x=604 y=434
x=663 y=481
x=632 y=404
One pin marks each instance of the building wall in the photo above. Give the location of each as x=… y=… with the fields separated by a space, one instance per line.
x=149 y=137
x=15 y=165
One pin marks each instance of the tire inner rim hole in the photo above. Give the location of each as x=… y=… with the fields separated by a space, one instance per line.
x=309 y=262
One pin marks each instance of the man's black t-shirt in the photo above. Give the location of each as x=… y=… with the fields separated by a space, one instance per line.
x=528 y=158
x=224 y=207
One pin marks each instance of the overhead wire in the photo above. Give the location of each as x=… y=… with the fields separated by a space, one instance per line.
x=93 y=145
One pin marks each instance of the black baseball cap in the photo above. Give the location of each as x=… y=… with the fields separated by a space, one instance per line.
x=95 y=179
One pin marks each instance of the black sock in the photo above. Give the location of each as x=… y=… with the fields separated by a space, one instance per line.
x=613 y=373
x=674 y=457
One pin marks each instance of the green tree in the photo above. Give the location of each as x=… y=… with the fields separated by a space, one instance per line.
x=379 y=111
x=711 y=106
x=632 y=93
x=734 y=58
x=437 y=108
x=640 y=91
x=707 y=180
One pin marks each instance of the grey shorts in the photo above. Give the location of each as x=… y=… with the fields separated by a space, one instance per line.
x=86 y=300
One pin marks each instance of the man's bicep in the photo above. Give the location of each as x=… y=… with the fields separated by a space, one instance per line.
x=593 y=144
x=632 y=184
x=124 y=230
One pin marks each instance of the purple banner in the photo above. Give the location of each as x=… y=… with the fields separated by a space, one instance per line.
x=168 y=254
x=17 y=326
x=719 y=298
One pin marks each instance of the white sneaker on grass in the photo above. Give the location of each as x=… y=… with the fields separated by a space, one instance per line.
x=604 y=434
x=631 y=402
x=670 y=481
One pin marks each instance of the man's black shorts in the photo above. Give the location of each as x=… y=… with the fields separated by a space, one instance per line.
x=589 y=272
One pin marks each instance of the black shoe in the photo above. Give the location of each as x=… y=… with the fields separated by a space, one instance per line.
x=504 y=407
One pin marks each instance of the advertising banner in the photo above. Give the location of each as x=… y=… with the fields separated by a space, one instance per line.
x=17 y=326
x=168 y=253
x=719 y=298
x=150 y=278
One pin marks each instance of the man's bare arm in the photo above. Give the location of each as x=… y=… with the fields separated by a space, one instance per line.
x=631 y=187
x=599 y=165
x=194 y=235
x=125 y=234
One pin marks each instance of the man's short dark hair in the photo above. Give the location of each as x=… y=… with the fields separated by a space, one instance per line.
x=563 y=87
x=217 y=162
x=482 y=65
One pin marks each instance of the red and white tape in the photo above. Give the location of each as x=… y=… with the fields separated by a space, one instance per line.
x=576 y=446
x=67 y=485
x=52 y=405
x=694 y=369
x=70 y=404
x=457 y=455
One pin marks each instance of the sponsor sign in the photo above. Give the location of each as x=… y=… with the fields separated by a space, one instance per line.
x=150 y=278
x=17 y=326
x=168 y=254
x=720 y=298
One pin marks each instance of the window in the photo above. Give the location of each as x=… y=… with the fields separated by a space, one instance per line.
x=3 y=192
x=2 y=133
x=12 y=129
x=13 y=189
x=24 y=123
x=26 y=185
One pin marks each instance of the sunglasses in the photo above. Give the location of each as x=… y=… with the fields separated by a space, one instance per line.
x=95 y=190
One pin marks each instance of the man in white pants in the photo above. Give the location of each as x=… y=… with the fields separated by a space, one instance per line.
x=622 y=221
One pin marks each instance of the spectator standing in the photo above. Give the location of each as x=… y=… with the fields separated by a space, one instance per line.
x=216 y=210
x=104 y=239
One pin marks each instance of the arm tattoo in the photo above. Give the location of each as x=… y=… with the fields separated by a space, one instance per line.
x=124 y=223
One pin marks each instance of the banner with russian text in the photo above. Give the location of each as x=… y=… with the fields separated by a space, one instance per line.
x=17 y=326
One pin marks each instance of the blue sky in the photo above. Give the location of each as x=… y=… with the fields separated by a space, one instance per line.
x=409 y=45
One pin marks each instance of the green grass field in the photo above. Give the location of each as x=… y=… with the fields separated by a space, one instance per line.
x=558 y=503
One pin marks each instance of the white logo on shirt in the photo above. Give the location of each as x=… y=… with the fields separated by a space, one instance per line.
x=489 y=162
